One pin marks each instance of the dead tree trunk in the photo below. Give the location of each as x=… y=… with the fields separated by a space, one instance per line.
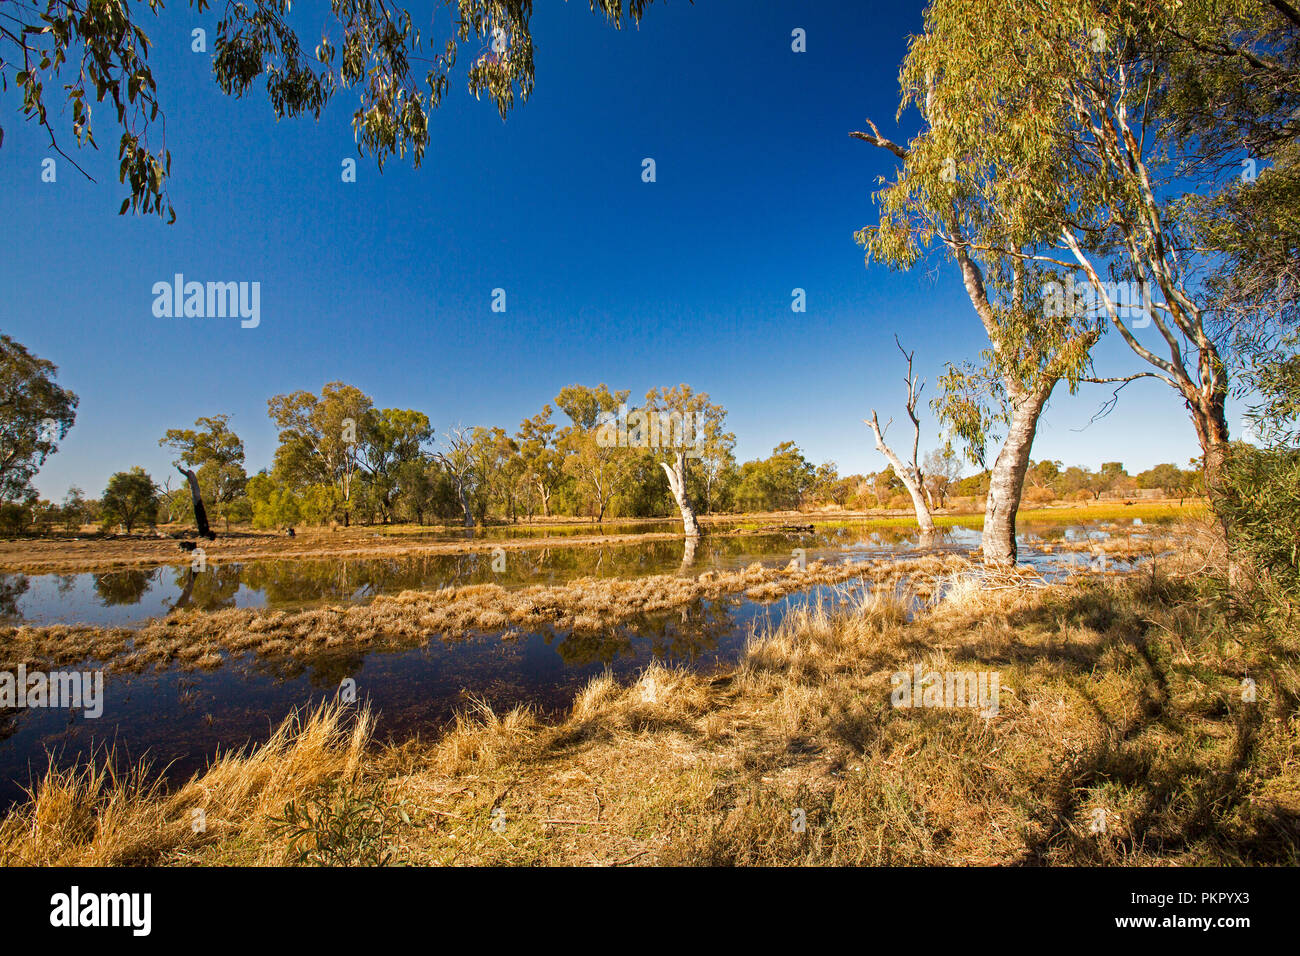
x=909 y=475
x=200 y=513
x=465 y=505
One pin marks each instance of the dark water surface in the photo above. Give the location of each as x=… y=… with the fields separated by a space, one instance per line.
x=179 y=718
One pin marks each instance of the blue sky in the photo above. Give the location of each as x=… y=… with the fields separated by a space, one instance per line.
x=387 y=283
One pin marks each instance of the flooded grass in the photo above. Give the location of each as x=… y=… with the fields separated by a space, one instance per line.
x=1120 y=701
x=253 y=644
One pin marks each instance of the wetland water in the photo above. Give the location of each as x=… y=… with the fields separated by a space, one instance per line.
x=180 y=717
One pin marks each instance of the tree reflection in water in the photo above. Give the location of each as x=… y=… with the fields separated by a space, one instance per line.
x=12 y=587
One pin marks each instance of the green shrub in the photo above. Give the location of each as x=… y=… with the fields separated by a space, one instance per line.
x=340 y=824
x=1259 y=500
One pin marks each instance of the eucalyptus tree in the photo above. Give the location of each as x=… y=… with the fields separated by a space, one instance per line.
x=594 y=461
x=319 y=438
x=130 y=498
x=1094 y=108
x=541 y=460
x=942 y=469
x=681 y=424
x=1234 y=97
x=64 y=58
x=217 y=454
x=460 y=466
x=496 y=461
x=948 y=196
x=35 y=415
x=392 y=442
x=779 y=482
x=717 y=472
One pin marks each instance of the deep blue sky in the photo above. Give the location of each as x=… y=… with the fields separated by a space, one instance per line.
x=386 y=283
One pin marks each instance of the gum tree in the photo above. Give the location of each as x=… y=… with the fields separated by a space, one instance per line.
x=319 y=438
x=686 y=425
x=947 y=197
x=130 y=498
x=35 y=415
x=596 y=465
x=392 y=444
x=542 y=463
x=1113 y=135
x=456 y=456
x=217 y=454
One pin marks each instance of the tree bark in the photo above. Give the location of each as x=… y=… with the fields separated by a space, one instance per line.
x=465 y=506
x=200 y=513
x=910 y=478
x=677 y=485
x=1007 y=481
x=1210 y=420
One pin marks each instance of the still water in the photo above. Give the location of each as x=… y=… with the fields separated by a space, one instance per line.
x=179 y=718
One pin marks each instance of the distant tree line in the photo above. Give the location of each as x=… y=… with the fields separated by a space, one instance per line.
x=340 y=459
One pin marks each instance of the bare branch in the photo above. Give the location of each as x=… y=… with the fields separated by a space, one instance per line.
x=875 y=139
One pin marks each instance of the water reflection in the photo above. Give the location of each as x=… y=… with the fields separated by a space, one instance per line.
x=183 y=717
x=130 y=596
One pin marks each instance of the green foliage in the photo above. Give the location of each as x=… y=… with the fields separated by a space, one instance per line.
x=1275 y=374
x=130 y=499
x=273 y=505
x=977 y=186
x=217 y=455
x=779 y=482
x=369 y=46
x=35 y=415
x=972 y=403
x=1258 y=499
x=109 y=52
x=341 y=824
x=16 y=516
x=74 y=510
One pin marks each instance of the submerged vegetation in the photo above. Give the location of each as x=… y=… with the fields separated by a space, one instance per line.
x=1122 y=735
x=199 y=639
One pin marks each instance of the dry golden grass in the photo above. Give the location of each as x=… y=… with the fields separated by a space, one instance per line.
x=103 y=815
x=1120 y=695
x=197 y=639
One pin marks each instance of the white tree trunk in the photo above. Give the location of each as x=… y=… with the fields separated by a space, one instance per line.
x=1007 y=481
x=910 y=478
x=677 y=485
